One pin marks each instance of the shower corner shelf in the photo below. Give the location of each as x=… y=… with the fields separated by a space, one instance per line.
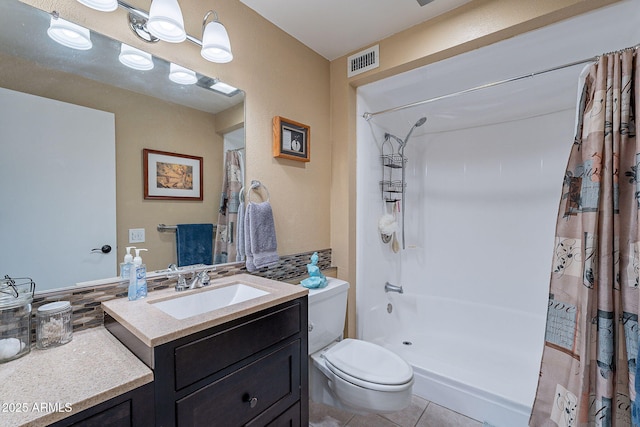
x=395 y=161
x=392 y=186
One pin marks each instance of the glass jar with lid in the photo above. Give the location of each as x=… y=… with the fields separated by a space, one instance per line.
x=53 y=324
x=16 y=296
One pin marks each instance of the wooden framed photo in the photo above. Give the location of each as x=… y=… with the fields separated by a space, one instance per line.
x=171 y=176
x=291 y=140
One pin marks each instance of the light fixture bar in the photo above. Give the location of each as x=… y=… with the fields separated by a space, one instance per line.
x=145 y=15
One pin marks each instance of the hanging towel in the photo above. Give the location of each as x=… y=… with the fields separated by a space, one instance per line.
x=240 y=255
x=195 y=244
x=260 y=243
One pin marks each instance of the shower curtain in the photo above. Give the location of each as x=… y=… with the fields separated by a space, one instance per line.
x=588 y=367
x=225 y=247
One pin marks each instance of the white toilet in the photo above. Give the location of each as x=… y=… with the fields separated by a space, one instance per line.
x=353 y=375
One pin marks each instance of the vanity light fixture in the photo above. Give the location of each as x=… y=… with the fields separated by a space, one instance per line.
x=101 y=5
x=69 y=34
x=216 y=46
x=135 y=58
x=181 y=75
x=166 y=22
x=217 y=86
x=224 y=88
x=138 y=25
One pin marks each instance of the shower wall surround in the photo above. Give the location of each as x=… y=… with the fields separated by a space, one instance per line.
x=480 y=214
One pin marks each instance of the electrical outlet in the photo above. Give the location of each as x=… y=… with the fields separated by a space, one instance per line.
x=136 y=235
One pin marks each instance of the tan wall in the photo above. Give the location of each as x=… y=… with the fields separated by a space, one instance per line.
x=477 y=24
x=281 y=77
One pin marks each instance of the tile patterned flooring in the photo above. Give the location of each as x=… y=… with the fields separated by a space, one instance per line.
x=421 y=413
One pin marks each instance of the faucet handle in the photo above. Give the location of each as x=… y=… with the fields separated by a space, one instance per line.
x=181 y=284
x=204 y=278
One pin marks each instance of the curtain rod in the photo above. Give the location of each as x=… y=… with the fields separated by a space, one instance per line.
x=368 y=116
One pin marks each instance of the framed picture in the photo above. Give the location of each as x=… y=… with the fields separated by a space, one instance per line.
x=171 y=176
x=291 y=140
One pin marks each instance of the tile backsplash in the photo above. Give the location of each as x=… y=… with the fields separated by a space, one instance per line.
x=86 y=301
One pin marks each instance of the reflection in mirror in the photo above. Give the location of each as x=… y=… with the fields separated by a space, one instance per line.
x=43 y=85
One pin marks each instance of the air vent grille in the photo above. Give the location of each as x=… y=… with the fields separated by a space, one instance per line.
x=365 y=60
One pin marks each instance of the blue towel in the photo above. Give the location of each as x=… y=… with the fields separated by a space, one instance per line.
x=195 y=244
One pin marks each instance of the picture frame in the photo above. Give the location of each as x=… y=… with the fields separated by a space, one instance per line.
x=291 y=140
x=172 y=176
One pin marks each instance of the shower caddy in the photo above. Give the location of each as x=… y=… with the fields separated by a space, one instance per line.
x=393 y=187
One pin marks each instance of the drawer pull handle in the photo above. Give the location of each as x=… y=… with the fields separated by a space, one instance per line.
x=252 y=401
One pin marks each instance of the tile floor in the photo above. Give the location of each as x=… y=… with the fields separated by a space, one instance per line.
x=421 y=413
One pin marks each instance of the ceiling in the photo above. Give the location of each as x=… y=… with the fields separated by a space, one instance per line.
x=334 y=28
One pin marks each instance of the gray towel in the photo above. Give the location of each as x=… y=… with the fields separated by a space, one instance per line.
x=240 y=254
x=260 y=243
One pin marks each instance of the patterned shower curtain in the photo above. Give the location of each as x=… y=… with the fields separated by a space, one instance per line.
x=588 y=365
x=225 y=247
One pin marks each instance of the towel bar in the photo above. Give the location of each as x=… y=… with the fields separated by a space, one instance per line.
x=162 y=227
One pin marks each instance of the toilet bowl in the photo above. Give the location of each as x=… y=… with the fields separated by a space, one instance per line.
x=353 y=375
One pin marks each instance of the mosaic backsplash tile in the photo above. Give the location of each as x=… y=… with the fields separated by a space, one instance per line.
x=86 y=302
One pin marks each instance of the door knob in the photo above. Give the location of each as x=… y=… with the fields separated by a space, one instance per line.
x=105 y=249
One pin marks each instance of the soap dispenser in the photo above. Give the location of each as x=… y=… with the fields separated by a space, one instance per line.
x=125 y=267
x=139 y=274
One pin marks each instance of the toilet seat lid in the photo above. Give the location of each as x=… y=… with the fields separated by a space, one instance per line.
x=368 y=362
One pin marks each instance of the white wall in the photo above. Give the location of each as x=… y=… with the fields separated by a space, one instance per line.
x=483 y=185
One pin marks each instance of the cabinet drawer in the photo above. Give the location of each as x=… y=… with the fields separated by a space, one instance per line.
x=206 y=356
x=289 y=418
x=268 y=385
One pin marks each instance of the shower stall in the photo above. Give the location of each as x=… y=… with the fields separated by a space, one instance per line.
x=482 y=180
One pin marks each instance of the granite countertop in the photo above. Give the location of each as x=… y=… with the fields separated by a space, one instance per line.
x=92 y=368
x=154 y=327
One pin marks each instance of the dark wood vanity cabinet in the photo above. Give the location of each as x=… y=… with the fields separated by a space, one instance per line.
x=248 y=372
x=131 y=409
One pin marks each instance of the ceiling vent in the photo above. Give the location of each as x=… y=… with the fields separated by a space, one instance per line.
x=365 y=60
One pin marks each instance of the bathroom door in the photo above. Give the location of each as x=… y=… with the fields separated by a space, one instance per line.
x=57 y=175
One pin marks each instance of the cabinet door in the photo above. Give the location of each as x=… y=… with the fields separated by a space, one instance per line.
x=268 y=385
x=131 y=409
x=117 y=416
x=57 y=166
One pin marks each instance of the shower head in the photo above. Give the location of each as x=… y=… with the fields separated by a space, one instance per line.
x=419 y=123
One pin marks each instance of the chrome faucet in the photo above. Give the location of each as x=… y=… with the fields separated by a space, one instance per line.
x=199 y=280
x=388 y=287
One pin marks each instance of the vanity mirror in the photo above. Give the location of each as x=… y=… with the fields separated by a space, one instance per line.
x=133 y=110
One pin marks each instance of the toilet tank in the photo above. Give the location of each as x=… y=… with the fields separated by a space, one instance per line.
x=327 y=312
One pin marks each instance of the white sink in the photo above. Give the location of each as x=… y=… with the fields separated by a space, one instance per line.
x=203 y=302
